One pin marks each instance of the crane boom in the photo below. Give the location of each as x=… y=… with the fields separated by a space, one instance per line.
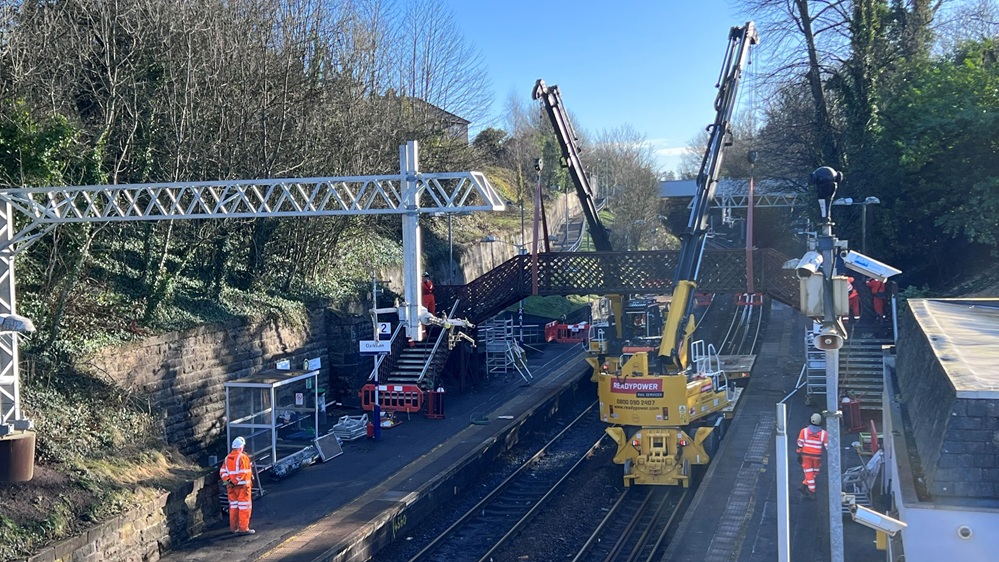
x=551 y=100
x=678 y=326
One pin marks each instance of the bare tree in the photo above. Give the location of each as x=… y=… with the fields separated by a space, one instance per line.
x=214 y=89
x=805 y=39
x=965 y=21
x=625 y=164
x=436 y=64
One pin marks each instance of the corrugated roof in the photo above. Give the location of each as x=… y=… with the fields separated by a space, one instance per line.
x=964 y=335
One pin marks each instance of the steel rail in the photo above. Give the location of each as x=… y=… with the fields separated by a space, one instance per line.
x=643 y=536
x=663 y=532
x=478 y=508
x=487 y=557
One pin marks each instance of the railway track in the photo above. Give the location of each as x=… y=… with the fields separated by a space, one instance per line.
x=744 y=330
x=498 y=517
x=528 y=515
x=637 y=527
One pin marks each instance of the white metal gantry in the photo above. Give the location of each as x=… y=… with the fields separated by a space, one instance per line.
x=408 y=194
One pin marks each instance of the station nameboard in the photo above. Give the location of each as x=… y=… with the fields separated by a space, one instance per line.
x=372 y=347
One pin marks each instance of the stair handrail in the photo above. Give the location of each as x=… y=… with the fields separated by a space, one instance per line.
x=432 y=359
x=389 y=362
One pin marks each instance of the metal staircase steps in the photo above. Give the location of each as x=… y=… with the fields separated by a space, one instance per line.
x=861 y=370
x=861 y=373
x=410 y=364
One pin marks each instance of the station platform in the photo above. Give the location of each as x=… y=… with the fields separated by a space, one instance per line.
x=354 y=504
x=733 y=515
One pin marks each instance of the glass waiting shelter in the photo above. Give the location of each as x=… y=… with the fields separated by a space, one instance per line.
x=276 y=411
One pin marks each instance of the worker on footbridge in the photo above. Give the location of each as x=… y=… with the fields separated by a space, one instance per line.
x=429 y=301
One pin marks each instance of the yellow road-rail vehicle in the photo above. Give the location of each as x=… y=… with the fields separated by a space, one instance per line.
x=668 y=419
x=668 y=407
x=665 y=424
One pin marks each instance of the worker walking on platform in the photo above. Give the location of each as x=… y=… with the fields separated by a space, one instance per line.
x=237 y=476
x=811 y=440
x=429 y=301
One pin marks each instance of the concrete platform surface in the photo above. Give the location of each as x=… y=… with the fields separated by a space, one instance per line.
x=355 y=503
x=733 y=516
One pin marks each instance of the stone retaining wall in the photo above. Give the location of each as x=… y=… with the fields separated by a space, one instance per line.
x=348 y=370
x=926 y=392
x=144 y=533
x=182 y=373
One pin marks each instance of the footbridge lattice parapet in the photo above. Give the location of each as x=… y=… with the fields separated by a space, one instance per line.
x=607 y=273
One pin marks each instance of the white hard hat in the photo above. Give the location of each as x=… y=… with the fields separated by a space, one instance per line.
x=238 y=443
x=816 y=419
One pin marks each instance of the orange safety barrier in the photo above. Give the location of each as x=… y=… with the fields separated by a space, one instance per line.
x=750 y=299
x=874 y=438
x=393 y=398
x=704 y=299
x=565 y=333
x=852 y=415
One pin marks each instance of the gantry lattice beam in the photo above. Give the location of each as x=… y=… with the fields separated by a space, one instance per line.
x=301 y=197
x=771 y=200
x=727 y=200
x=407 y=193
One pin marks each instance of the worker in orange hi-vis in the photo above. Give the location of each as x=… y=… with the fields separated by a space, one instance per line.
x=237 y=476
x=811 y=441
x=429 y=302
x=854 y=299
x=877 y=288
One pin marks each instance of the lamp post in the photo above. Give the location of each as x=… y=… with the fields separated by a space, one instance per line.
x=863 y=221
x=870 y=200
x=450 y=253
x=830 y=340
x=450 y=249
x=565 y=244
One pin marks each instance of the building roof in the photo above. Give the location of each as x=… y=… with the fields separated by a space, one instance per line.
x=964 y=335
x=442 y=113
x=733 y=192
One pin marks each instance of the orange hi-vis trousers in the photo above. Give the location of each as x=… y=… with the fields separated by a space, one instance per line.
x=240 y=505
x=811 y=465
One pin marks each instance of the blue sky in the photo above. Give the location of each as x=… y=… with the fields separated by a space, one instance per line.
x=651 y=64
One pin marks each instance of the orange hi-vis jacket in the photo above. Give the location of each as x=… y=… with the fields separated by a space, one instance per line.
x=877 y=288
x=236 y=469
x=811 y=443
x=429 y=301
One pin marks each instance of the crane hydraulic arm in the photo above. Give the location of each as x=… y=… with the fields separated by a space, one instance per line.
x=679 y=323
x=551 y=100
